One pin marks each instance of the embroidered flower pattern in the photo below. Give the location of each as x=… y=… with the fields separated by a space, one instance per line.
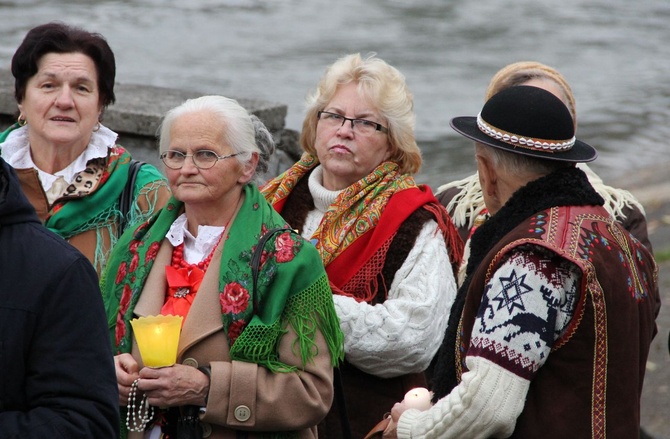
x=134 y=262
x=284 y=248
x=235 y=330
x=123 y=307
x=234 y=298
x=121 y=273
x=152 y=252
x=237 y=295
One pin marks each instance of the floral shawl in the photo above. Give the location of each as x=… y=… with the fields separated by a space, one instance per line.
x=292 y=285
x=362 y=222
x=356 y=210
x=100 y=208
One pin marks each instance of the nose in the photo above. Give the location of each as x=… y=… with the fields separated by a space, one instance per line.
x=64 y=98
x=189 y=166
x=347 y=128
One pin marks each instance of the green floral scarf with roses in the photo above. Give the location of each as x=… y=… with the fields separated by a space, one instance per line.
x=292 y=285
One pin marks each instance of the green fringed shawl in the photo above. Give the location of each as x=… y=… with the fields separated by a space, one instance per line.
x=292 y=287
x=99 y=209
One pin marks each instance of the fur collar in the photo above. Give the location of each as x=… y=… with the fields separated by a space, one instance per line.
x=565 y=187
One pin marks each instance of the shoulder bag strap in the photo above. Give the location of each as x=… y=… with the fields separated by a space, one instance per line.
x=126 y=197
x=255 y=267
x=256 y=260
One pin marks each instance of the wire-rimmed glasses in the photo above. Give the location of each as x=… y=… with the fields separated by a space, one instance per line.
x=202 y=159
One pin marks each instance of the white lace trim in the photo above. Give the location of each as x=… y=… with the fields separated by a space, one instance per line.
x=16 y=152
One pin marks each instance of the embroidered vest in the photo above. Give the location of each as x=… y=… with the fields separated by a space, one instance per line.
x=591 y=383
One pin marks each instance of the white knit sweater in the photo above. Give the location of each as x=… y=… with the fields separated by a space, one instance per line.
x=401 y=335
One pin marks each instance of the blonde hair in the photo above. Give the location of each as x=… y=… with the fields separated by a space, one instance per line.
x=386 y=90
x=519 y=73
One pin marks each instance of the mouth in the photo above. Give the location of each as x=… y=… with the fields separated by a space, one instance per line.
x=339 y=148
x=62 y=119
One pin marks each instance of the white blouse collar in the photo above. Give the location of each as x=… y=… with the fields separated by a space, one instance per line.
x=196 y=248
x=16 y=152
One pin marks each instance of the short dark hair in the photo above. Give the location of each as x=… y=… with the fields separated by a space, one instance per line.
x=56 y=37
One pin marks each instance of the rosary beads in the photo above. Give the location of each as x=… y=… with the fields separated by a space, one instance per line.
x=138 y=420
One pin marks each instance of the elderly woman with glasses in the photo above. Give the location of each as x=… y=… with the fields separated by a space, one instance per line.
x=260 y=334
x=387 y=244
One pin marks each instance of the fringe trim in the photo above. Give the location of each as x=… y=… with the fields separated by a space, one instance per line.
x=468 y=203
x=615 y=199
x=306 y=312
x=450 y=235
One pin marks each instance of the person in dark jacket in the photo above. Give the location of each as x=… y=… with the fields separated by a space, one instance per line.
x=56 y=365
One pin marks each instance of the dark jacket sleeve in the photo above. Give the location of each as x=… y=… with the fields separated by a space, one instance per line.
x=59 y=379
x=636 y=224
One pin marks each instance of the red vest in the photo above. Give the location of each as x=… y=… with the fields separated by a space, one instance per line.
x=591 y=383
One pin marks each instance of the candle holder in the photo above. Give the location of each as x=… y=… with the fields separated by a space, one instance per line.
x=158 y=339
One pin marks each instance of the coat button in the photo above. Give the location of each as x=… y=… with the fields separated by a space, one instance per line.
x=206 y=429
x=242 y=413
x=190 y=362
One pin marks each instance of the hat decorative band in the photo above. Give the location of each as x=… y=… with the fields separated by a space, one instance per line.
x=524 y=141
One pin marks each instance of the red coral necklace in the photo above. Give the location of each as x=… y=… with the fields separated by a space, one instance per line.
x=179 y=262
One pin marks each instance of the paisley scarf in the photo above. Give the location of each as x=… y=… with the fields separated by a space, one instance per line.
x=356 y=210
x=362 y=222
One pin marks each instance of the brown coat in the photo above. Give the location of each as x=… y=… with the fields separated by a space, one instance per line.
x=273 y=401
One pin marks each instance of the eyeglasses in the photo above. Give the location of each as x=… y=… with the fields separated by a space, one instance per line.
x=361 y=126
x=202 y=159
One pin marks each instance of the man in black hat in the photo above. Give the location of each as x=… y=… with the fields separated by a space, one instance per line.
x=551 y=329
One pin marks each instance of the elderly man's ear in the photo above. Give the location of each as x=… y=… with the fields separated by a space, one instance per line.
x=488 y=180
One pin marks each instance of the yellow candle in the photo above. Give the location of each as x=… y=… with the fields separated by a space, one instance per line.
x=158 y=339
x=418 y=398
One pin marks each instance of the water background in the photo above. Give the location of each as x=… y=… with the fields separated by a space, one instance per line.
x=614 y=53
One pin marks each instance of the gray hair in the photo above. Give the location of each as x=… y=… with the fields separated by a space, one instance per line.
x=519 y=164
x=266 y=145
x=239 y=133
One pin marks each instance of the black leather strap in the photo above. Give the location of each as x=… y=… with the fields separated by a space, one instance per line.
x=126 y=197
x=256 y=260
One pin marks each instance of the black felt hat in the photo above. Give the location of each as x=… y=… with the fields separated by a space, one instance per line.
x=526 y=120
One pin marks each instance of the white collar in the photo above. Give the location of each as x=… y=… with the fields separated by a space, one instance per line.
x=16 y=152
x=323 y=197
x=196 y=248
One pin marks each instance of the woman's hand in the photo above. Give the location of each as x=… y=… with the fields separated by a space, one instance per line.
x=391 y=431
x=174 y=386
x=127 y=371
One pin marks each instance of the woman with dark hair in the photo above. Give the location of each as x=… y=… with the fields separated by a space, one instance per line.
x=69 y=165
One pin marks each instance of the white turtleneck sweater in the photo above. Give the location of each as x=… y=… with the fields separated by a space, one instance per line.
x=401 y=335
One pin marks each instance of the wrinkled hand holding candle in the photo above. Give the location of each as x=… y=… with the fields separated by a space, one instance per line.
x=418 y=398
x=158 y=339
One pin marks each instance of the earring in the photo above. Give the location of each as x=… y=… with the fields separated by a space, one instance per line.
x=97 y=127
x=22 y=120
